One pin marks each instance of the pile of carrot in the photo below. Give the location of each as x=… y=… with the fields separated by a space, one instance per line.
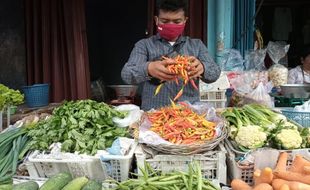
x=180 y=67
x=179 y=124
x=296 y=177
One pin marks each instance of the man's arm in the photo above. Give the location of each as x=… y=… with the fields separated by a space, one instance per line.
x=135 y=70
x=212 y=71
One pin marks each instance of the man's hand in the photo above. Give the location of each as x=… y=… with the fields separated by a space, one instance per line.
x=196 y=68
x=158 y=69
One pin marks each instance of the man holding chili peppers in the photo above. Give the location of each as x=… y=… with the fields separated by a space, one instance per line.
x=147 y=67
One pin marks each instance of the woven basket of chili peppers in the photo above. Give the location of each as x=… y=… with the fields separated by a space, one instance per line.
x=183 y=130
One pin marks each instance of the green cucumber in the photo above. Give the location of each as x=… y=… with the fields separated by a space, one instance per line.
x=57 y=182
x=92 y=185
x=76 y=184
x=6 y=186
x=28 y=185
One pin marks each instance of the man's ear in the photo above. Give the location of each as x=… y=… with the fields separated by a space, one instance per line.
x=156 y=20
x=186 y=18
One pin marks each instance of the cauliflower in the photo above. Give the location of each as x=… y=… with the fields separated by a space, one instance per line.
x=288 y=139
x=251 y=137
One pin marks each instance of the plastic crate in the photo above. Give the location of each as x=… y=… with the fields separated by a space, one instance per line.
x=43 y=168
x=237 y=169
x=118 y=167
x=216 y=99
x=36 y=95
x=213 y=163
x=302 y=118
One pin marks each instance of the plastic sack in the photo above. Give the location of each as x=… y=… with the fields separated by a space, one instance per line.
x=259 y=95
x=277 y=50
x=134 y=115
x=254 y=60
x=231 y=60
x=278 y=74
x=120 y=146
x=305 y=107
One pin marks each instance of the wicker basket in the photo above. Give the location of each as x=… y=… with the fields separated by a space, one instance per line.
x=193 y=148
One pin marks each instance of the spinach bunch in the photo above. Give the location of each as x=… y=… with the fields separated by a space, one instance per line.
x=84 y=126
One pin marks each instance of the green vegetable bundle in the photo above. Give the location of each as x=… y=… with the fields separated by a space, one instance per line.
x=84 y=126
x=191 y=180
x=13 y=145
x=9 y=97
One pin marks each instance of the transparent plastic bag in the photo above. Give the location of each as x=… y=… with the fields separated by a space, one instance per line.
x=232 y=60
x=259 y=95
x=254 y=60
x=278 y=74
x=277 y=50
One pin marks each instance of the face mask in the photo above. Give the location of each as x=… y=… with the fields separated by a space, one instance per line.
x=170 y=31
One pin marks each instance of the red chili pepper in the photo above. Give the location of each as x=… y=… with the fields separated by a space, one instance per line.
x=178 y=95
x=193 y=84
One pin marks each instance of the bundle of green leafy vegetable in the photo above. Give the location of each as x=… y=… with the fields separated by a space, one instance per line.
x=84 y=126
x=9 y=97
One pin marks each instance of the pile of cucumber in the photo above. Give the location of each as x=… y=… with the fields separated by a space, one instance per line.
x=61 y=181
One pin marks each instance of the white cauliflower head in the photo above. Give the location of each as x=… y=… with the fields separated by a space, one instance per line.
x=251 y=137
x=289 y=139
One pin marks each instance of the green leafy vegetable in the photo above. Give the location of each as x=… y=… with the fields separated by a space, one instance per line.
x=84 y=126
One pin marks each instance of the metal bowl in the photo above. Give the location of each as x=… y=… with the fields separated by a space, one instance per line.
x=124 y=90
x=295 y=90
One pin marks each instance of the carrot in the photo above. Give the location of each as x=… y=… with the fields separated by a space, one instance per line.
x=298 y=164
x=282 y=160
x=264 y=176
x=293 y=185
x=284 y=187
x=238 y=184
x=292 y=176
x=263 y=186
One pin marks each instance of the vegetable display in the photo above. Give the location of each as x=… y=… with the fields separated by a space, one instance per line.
x=151 y=179
x=180 y=67
x=84 y=126
x=283 y=177
x=13 y=145
x=9 y=97
x=254 y=126
x=179 y=124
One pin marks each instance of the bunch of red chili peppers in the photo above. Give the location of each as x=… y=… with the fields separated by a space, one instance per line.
x=179 y=124
x=180 y=68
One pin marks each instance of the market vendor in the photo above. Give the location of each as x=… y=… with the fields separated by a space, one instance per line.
x=146 y=66
x=301 y=73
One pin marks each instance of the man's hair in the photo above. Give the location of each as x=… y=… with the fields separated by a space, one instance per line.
x=171 y=5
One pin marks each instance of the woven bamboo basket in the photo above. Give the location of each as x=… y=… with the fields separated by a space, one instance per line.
x=184 y=149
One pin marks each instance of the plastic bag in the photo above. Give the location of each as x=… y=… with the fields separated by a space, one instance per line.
x=232 y=60
x=259 y=95
x=305 y=107
x=277 y=50
x=254 y=60
x=134 y=115
x=120 y=146
x=278 y=74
